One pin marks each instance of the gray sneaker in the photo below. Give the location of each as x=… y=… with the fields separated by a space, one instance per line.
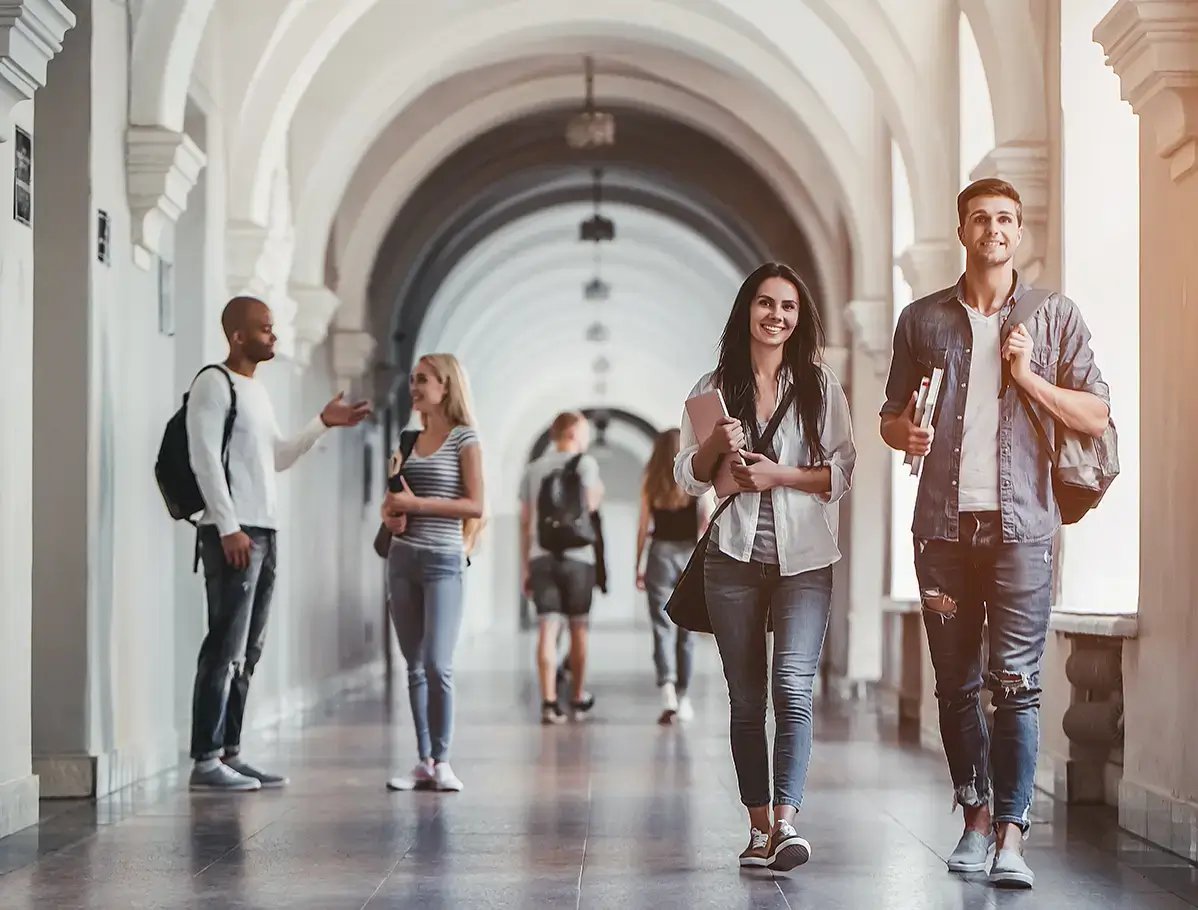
x=222 y=778
x=973 y=849
x=247 y=770
x=1010 y=870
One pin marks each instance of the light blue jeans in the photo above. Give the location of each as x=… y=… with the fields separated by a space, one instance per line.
x=426 y=608
x=741 y=597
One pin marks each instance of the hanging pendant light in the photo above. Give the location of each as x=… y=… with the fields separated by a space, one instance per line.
x=591 y=128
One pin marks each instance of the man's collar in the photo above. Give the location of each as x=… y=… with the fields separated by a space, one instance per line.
x=957 y=291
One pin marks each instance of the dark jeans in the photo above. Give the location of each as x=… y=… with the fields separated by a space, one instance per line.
x=978 y=585
x=426 y=608
x=238 y=606
x=673 y=647
x=740 y=597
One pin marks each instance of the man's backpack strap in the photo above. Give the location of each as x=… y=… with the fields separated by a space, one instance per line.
x=226 y=437
x=1025 y=308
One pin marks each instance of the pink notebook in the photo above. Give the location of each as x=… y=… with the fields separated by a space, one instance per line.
x=705 y=411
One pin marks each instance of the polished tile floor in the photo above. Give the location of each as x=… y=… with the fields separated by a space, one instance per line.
x=617 y=813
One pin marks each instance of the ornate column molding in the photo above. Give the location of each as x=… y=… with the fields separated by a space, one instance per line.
x=352 y=353
x=314 y=309
x=872 y=328
x=1152 y=45
x=31 y=33
x=245 y=244
x=1025 y=166
x=929 y=265
x=163 y=166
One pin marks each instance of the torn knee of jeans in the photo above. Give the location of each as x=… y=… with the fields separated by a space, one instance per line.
x=938 y=602
x=1010 y=682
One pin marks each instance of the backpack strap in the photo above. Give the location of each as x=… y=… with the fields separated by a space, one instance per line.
x=226 y=437
x=1025 y=308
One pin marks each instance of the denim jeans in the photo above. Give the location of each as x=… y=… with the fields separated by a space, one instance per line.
x=673 y=647
x=981 y=585
x=740 y=598
x=426 y=608
x=238 y=606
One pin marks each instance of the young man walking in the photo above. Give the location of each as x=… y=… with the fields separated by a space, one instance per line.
x=237 y=536
x=560 y=492
x=985 y=515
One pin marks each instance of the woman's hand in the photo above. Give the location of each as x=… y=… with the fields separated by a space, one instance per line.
x=396 y=524
x=757 y=474
x=403 y=501
x=726 y=437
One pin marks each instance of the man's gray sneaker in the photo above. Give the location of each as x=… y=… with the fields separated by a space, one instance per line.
x=245 y=770
x=1010 y=870
x=222 y=778
x=973 y=849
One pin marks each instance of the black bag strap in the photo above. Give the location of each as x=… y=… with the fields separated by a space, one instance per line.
x=767 y=438
x=407 y=442
x=1025 y=308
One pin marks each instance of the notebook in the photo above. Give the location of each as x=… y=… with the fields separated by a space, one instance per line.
x=705 y=411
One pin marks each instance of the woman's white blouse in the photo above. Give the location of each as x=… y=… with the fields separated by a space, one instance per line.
x=806 y=524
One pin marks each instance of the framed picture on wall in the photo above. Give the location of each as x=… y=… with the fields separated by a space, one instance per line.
x=22 y=177
x=166 y=298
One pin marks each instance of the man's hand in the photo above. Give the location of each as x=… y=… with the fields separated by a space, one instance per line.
x=757 y=474
x=237 y=547
x=526 y=581
x=640 y=581
x=727 y=437
x=1017 y=350
x=904 y=434
x=340 y=413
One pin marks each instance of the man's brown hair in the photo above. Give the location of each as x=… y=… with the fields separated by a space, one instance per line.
x=988 y=186
x=563 y=423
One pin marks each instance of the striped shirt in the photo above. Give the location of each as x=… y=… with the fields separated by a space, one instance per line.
x=438 y=476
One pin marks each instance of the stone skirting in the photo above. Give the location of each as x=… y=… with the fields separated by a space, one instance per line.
x=18 y=804
x=84 y=776
x=1165 y=820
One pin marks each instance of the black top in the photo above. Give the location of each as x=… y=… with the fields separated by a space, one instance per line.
x=677 y=524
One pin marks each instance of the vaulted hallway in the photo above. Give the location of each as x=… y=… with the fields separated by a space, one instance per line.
x=615 y=812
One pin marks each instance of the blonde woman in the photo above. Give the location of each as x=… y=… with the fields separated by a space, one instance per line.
x=677 y=519
x=433 y=509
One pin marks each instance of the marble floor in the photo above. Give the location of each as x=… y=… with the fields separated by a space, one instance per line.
x=615 y=813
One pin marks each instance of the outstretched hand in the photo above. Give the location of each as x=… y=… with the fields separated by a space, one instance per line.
x=340 y=413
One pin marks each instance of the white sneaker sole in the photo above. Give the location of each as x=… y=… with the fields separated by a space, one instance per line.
x=790 y=855
x=754 y=862
x=230 y=788
x=1013 y=880
x=968 y=867
x=404 y=784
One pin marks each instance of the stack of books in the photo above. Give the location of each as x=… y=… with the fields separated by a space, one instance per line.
x=925 y=410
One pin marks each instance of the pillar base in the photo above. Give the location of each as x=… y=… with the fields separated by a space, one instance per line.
x=18 y=804
x=1165 y=820
x=93 y=776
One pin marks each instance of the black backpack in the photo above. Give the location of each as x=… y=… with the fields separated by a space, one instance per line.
x=563 y=517
x=176 y=479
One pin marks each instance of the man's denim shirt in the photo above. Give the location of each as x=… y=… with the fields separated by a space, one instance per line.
x=935 y=332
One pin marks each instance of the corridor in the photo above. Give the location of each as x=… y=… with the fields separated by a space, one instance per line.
x=617 y=813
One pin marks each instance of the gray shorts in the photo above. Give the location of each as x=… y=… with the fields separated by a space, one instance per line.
x=562 y=587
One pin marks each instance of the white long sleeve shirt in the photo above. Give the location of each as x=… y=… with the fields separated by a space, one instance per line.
x=257 y=450
x=806 y=525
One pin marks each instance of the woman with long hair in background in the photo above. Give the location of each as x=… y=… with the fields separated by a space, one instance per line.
x=674 y=520
x=769 y=559
x=434 y=517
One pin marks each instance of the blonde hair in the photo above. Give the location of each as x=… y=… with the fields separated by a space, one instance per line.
x=457 y=404
x=660 y=489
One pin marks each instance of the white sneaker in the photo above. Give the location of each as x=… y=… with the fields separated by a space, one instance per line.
x=445 y=779
x=669 y=697
x=686 y=711
x=420 y=778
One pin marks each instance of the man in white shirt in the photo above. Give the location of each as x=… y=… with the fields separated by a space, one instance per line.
x=237 y=535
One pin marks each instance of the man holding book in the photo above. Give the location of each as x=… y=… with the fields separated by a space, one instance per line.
x=985 y=514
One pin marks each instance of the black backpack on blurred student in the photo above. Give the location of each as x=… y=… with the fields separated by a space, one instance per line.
x=563 y=516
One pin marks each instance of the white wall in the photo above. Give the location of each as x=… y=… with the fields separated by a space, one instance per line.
x=1101 y=272
x=18 y=790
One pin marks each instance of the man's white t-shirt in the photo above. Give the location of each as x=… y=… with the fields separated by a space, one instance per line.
x=978 y=483
x=257 y=450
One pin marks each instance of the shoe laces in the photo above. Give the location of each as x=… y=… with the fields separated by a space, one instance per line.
x=786 y=829
x=758 y=838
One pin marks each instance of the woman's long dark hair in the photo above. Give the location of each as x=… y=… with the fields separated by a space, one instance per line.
x=802 y=357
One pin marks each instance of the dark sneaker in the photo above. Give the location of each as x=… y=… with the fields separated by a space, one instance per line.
x=581 y=708
x=787 y=850
x=551 y=713
x=222 y=778
x=268 y=781
x=757 y=854
x=973 y=849
x=1010 y=870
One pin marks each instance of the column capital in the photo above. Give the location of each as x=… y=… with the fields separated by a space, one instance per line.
x=1025 y=166
x=929 y=265
x=1152 y=45
x=31 y=33
x=352 y=353
x=162 y=167
x=871 y=325
x=245 y=245
x=315 y=306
